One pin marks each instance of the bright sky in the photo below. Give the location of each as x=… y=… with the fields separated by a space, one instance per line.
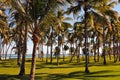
x=117 y=8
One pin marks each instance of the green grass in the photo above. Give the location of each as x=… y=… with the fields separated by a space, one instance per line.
x=65 y=71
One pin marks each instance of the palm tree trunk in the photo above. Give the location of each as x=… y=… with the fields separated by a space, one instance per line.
x=47 y=54
x=19 y=46
x=63 y=53
x=94 y=51
x=86 y=41
x=33 y=64
x=104 y=55
x=51 y=59
x=0 y=53
x=95 y=55
x=35 y=43
x=78 y=55
x=42 y=55
x=22 y=68
x=109 y=50
x=98 y=48
x=114 y=52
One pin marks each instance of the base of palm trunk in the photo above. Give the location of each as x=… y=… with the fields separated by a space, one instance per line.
x=87 y=71
x=22 y=73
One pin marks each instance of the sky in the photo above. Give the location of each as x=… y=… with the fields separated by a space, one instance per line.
x=117 y=8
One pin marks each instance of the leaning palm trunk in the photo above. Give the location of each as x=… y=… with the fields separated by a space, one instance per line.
x=22 y=68
x=35 y=42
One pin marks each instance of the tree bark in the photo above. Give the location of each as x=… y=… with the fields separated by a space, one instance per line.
x=104 y=55
x=33 y=64
x=86 y=40
x=35 y=43
x=47 y=54
x=51 y=59
x=22 y=67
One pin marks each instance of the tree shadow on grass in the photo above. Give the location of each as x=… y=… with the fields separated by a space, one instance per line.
x=78 y=75
x=52 y=66
x=13 y=77
x=8 y=64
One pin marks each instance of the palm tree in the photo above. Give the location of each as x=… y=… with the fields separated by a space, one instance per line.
x=20 y=12
x=38 y=10
x=88 y=7
x=108 y=13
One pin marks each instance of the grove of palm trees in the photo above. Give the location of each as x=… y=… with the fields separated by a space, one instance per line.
x=71 y=40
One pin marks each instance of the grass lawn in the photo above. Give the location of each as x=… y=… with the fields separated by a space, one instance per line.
x=65 y=71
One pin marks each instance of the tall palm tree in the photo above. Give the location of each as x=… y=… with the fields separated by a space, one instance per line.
x=38 y=10
x=88 y=6
x=108 y=13
x=20 y=12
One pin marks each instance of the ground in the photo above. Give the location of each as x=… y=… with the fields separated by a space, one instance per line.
x=65 y=71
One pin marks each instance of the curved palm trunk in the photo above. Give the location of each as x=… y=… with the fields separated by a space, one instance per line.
x=33 y=64
x=35 y=43
x=22 y=67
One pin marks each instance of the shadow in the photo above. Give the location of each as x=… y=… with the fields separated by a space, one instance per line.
x=77 y=75
x=52 y=66
x=9 y=64
x=13 y=77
